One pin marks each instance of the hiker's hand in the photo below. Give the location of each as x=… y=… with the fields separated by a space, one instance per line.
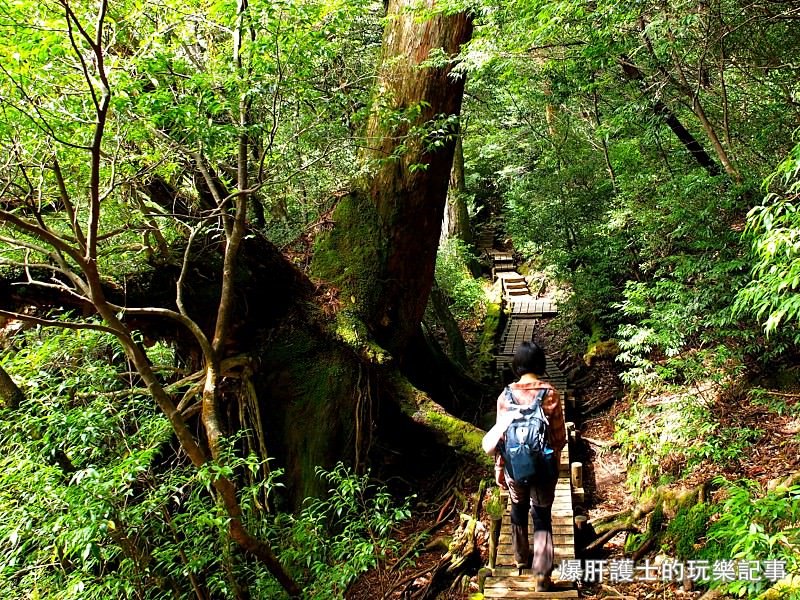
x=500 y=478
x=507 y=418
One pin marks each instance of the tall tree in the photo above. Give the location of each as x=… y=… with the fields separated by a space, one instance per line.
x=410 y=138
x=226 y=137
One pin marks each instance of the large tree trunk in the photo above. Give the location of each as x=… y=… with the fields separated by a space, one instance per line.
x=378 y=263
x=409 y=192
x=382 y=254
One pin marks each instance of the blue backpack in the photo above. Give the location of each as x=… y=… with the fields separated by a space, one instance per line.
x=525 y=450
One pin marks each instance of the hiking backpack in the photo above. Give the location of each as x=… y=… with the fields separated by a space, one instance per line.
x=525 y=450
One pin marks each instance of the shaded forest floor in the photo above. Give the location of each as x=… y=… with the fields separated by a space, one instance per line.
x=774 y=454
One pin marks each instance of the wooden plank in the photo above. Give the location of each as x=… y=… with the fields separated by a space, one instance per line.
x=525 y=591
x=503 y=592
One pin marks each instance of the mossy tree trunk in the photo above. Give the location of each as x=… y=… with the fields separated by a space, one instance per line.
x=379 y=258
x=383 y=255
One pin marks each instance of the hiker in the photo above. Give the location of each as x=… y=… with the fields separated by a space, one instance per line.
x=537 y=496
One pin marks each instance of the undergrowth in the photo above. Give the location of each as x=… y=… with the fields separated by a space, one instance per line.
x=95 y=502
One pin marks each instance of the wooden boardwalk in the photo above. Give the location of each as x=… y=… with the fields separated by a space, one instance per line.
x=506 y=581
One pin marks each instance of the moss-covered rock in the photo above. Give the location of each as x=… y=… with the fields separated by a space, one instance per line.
x=601 y=349
x=687 y=528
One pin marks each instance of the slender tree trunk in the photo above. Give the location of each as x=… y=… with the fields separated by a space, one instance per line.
x=458 y=350
x=456 y=215
x=604 y=141
x=719 y=149
x=662 y=111
x=692 y=94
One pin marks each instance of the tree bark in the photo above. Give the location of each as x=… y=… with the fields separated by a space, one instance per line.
x=456 y=215
x=411 y=163
x=10 y=393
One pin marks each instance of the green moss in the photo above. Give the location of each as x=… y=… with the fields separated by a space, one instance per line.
x=462 y=436
x=349 y=256
x=687 y=528
x=352 y=331
x=459 y=433
x=601 y=349
x=487 y=340
x=310 y=394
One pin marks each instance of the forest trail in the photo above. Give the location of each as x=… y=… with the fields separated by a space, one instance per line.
x=506 y=581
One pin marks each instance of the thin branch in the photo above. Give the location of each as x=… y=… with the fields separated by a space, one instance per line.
x=184 y=269
x=70 y=16
x=193 y=327
x=54 y=323
x=275 y=121
x=61 y=287
x=57 y=242
x=41 y=122
x=68 y=205
x=25 y=244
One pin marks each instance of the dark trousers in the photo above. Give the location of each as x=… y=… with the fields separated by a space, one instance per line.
x=538 y=499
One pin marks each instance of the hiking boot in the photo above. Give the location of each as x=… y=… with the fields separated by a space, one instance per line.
x=525 y=565
x=542 y=583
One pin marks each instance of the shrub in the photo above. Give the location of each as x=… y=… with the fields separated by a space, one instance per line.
x=455 y=279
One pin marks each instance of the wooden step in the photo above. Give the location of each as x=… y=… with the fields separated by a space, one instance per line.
x=520 y=587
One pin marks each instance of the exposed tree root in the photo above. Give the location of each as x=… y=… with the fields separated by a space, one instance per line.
x=607 y=535
x=663 y=501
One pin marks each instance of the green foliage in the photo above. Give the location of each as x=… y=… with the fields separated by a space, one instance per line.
x=82 y=504
x=465 y=293
x=676 y=431
x=774 y=228
x=336 y=538
x=494 y=503
x=185 y=81
x=777 y=403
x=96 y=504
x=754 y=525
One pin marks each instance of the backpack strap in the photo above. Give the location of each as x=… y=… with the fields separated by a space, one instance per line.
x=540 y=395
x=510 y=396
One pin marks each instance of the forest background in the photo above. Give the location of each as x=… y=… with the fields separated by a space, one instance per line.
x=220 y=226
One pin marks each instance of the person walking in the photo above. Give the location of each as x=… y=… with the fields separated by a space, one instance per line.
x=528 y=365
